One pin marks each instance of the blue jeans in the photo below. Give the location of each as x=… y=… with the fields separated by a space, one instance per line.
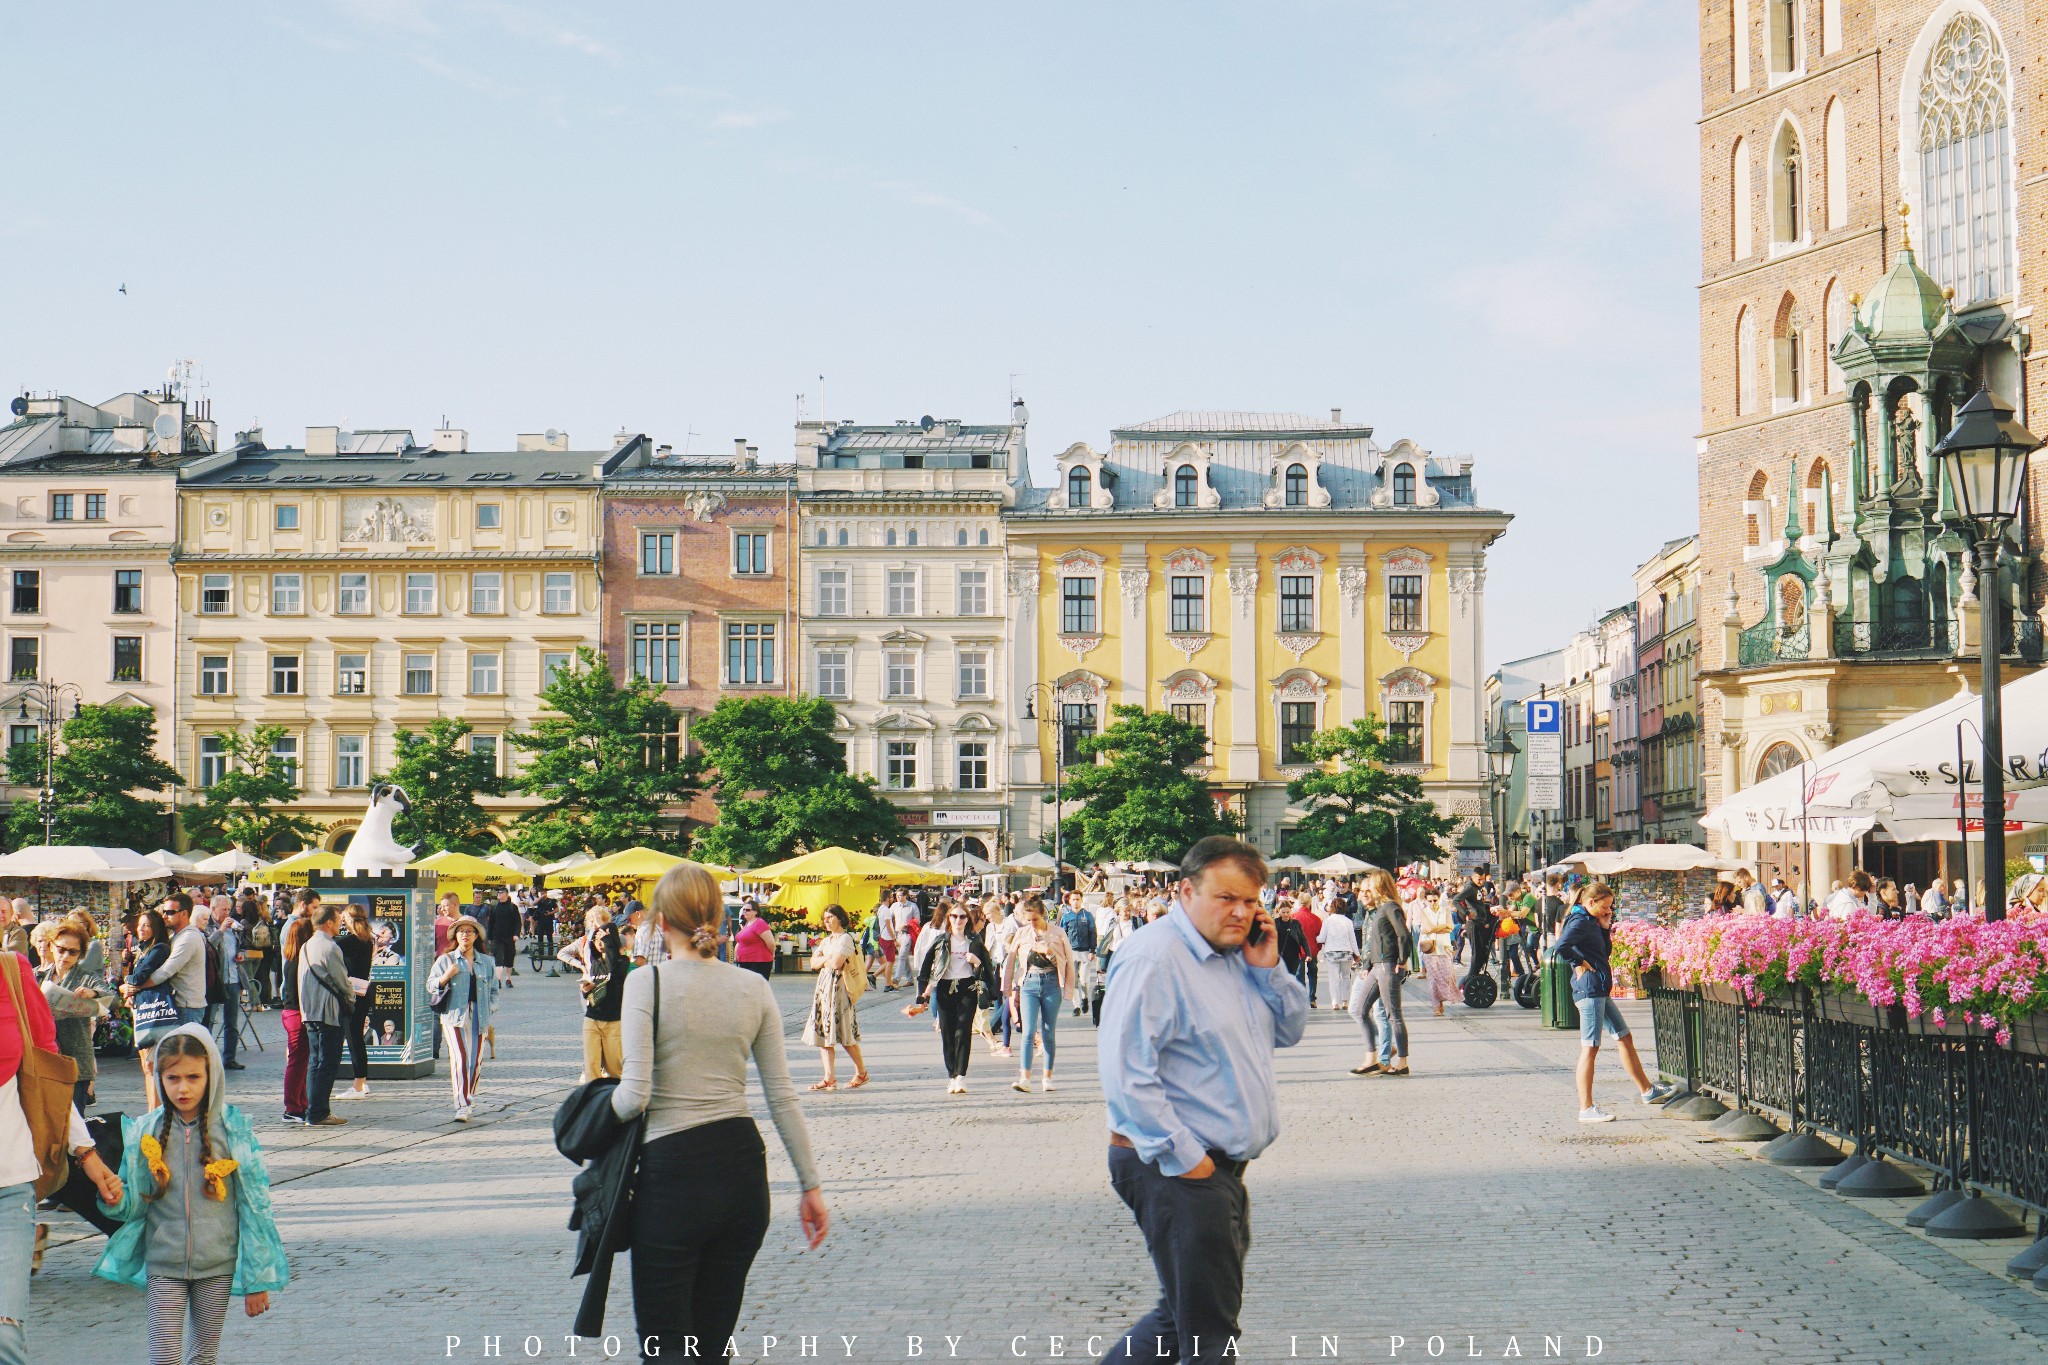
x=1599 y=1013
x=323 y=1046
x=17 y=1248
x=192 y=1016
x=229 y=1009
x=1040 y=996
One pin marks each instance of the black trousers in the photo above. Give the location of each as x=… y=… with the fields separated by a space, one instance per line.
x=358 y=1040
x=954 y=1003
x=760 y=969
x=324 y=1051
x=700 y=1210
x=1198 y=1232
x=1482 y=948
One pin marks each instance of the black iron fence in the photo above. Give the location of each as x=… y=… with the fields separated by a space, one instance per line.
x=1951 y=1102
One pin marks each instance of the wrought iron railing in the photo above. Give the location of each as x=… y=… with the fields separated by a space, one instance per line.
x=1892 y=639
x=1952 y=1101
x=2021 y=637
x=1764 y=643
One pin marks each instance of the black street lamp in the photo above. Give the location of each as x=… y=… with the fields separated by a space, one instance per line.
x=1501 y=753
x=1059 y=770
x=49 y=717
x=1985 y=458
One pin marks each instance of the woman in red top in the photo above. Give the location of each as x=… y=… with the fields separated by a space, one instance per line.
x=754 y=946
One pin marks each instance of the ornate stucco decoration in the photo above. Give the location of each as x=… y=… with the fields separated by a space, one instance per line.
x=1407 y=644
x=1465 y=585
x=1184 y=562
x=1404 y=451
x=1023 y=585
x=1298 y=559
x=1244 y=587
x=1080 y=562
x=1191 y=688
x=1351 y=580
x=1197 y=457
x=1189 y=644
x=1311 y=462
x=1407 y=684
x=1080 y=687
x=387 y=520
x=1298 y=645
x=1820 y=732
x=704 y=504
x=1081 y=644
x=1134 y=583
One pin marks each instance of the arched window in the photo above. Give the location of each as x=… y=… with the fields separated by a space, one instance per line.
x=982 y=536
x=889 y=536
x=1745 y=363
x=1820 y=486
x=1789 y=345
x=1965 y=163
x=910 y=537
x=1791 y=603
x=842 y=535
x=1788 y=207
x=821 y=535
x=960 y=537
x=1297 y=485
x=1784 y=17
x=1837 y=153
x=1079 y=486
x=1834 y=312
x=1404 y=485
x=1185 y=483
x=1738 y=198
x=1780 y=757
x=1755 y=508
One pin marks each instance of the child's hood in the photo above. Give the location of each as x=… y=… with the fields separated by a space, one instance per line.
x=216 y=1074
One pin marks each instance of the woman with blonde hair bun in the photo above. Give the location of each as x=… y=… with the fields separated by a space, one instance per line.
x=701 y=1208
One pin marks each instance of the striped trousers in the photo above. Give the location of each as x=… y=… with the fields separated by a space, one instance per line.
x=465 y=1055
x=170 y=1302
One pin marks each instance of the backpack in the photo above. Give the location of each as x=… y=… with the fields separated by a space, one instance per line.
x=216 y=988
x=259 y=933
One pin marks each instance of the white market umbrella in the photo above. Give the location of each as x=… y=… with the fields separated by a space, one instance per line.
x=963 y=865
x=1152 y=865
x=176 y=862
x=234 y=862
x=1342 y=865
x=1904 y=775
x=80 y=863
x=506 y=858
x=576 y=859
x=1291 y=862
x=1602 y=863
x=1040 y=863
x=1671 y=858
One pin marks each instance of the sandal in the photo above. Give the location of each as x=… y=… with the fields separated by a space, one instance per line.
x=858 y=1081
x=1368 y=1069
x=1396 y=1071
x=826 y=1085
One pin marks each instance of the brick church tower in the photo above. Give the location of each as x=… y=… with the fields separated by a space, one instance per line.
x=1872 y=180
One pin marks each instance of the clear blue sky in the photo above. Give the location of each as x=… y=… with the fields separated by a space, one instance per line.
x=1474 y=225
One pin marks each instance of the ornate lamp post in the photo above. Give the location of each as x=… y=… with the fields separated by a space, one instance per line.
x=49 y=716
x=1501 y=753
x=1059 y=769
x=1985 y=458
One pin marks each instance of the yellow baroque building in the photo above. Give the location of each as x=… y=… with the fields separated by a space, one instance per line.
x=366 y=584
x=1264 y=576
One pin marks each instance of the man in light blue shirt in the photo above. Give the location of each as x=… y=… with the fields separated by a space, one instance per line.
x=1195 y=1004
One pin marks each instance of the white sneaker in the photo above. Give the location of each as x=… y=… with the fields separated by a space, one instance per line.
x=959 y=1085
x=1045 y=1084
x=1593 y=1113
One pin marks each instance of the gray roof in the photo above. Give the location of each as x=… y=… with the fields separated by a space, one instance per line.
x=415 y=466
x=1220 y=421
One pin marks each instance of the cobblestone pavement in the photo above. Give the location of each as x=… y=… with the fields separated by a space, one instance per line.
x=1466 y=1203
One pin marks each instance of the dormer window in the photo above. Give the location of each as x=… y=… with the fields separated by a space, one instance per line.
x=1404 y=485
x=1297 y=485
x=1080 y=487
x=1186 y=486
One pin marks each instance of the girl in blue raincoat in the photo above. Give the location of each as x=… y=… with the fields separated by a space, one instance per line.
x=195 y=1204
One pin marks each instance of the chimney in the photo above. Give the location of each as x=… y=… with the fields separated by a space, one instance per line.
x=1336 y=417
x=664 y=452
x=323 y=440
x=753 y=457
x=739 y=450
x=450 y=440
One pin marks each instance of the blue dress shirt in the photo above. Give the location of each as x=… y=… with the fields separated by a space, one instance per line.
x=1187 y=1045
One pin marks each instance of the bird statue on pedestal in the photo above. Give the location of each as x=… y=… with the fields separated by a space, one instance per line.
x=373 y=849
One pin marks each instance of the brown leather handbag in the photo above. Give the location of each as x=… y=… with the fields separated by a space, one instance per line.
x=45 y=1084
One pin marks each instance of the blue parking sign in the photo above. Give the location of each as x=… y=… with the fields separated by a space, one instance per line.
x=1543 y=717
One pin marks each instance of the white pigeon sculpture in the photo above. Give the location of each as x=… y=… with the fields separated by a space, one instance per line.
x=373 y=850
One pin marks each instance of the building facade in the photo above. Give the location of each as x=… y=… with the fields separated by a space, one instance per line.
x=900 y=614
x=1263 y=576
x=1618 y=645
x=1667 y=663
x=1871 y=202
x=89 y=495
x=366 y=584
x=1533 y=836
x=699 y=582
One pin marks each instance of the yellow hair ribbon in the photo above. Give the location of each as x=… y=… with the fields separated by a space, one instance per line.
x=159 y=1170
x=217 y=1173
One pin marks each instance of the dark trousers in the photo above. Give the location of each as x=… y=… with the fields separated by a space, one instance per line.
x=1198 y=1232
x=230 y=1019
x=357 y=1024
x=761 y=969
x=700 y=1211
x=954 y=1002
x=1482 y=947
x=1309 y=965
x=323 y=1044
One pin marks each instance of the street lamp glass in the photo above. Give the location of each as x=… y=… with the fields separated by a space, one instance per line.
x=1985 y=459
x=1501 y=753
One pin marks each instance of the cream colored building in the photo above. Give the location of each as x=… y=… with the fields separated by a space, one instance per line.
x=366 y=584
x=88 y=525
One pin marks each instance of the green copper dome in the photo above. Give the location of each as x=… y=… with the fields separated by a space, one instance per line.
x=1906 y=302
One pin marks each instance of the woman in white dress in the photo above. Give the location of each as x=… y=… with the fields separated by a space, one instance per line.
x=834 y=1022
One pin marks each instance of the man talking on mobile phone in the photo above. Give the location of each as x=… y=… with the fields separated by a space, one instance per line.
x=1195 y=1004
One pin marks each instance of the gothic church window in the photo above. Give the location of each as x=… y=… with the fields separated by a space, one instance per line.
x=1837 y=153
x=1784 y=22
x=1790 y=346
x=1739 y=205
x=1745 y=363
x=1966 y=163
x=1788 y=207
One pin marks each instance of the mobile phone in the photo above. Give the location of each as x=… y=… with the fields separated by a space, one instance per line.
x=1257 y=933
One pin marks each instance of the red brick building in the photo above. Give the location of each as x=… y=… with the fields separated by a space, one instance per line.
x=697 y=581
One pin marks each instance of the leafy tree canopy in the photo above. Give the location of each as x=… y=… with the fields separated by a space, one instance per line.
x=246 y=807
x=778 y=774
x=1140 y=801
x=1352 y=800
x=604 y=763
x=105 y=775
x=443 y=778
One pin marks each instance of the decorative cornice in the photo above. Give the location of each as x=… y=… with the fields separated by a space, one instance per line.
x=1407 y=644
x=1190 y=644
x=1081 y=644
x=1299 y=644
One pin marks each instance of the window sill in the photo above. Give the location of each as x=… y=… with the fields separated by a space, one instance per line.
x=756 y=686
x=213 y=696
x=286 y=696
x=500 y=696
x=418 y=696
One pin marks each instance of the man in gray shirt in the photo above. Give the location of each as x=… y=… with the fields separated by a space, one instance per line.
x=325 y=996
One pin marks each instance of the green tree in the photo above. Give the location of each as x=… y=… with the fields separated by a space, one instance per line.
x=604 y=764
x=443 y=778
x=779 y=777
x=106 y=777
x=1141 y=802
x=1352 y=800
x=246 y=807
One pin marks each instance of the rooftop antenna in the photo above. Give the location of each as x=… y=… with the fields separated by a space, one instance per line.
x=822 y=409
x=689 y=435
x=799 y=409
x=1014 y=377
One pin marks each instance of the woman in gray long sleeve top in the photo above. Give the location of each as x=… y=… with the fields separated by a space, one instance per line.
x=700 y=1209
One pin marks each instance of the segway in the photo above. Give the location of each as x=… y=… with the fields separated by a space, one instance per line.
x=1481 y=992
